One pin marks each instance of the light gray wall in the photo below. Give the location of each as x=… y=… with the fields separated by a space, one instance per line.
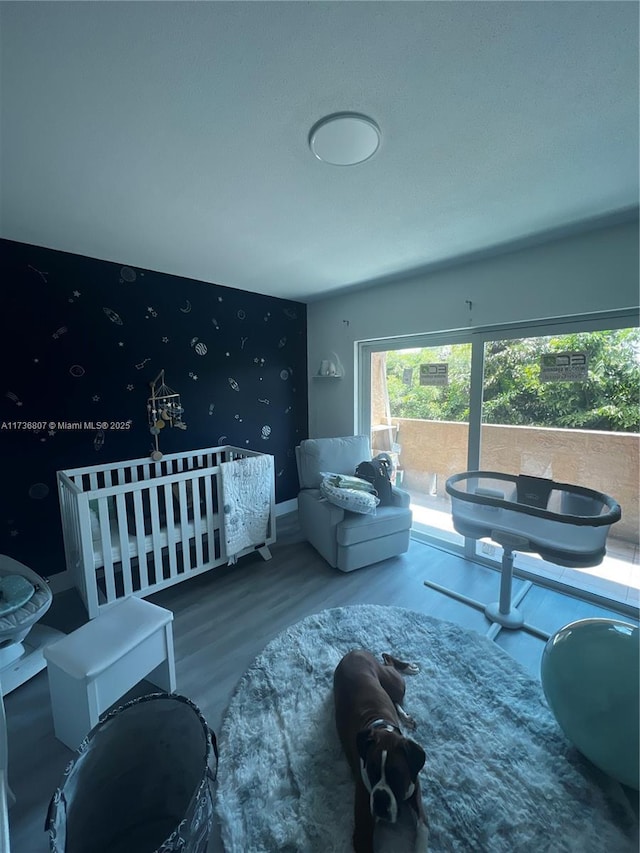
x=591 y=272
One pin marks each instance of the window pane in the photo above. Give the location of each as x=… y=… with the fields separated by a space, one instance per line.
x=565 y=407
x=420 y=415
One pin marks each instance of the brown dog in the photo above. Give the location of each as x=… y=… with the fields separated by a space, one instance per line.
x=368 y=697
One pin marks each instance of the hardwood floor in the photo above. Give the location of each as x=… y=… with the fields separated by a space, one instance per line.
x=224 y=618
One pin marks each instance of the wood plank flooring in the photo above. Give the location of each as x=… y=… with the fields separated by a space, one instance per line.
x=224 y=618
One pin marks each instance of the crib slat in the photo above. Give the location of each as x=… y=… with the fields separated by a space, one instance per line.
x=140 y=540
x=123 y=533
x=155 y=533
x=107 y=553
x=220 y=505
x=197 y=522
x=171 y=531
x=208 y=509
x=184 y=532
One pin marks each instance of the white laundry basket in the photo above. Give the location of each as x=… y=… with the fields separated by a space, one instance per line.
x=140 y=783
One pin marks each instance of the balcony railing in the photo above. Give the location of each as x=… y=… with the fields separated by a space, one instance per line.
x=431 y=451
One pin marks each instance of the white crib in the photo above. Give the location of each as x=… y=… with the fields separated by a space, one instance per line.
x=136 y=527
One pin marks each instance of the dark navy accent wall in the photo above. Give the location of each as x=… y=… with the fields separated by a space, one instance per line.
x=81 y=339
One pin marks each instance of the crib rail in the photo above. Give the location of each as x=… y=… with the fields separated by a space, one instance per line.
x=133 y=470
x=136 y=527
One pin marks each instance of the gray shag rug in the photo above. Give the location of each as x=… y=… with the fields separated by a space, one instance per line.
x=500 y=776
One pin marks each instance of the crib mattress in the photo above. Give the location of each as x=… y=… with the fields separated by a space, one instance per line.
x=132 y=542
x=567 y=525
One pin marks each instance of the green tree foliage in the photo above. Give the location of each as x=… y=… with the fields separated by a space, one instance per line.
x=513 y=392
x=409 y=399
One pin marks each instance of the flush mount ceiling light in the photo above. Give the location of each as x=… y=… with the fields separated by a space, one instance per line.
x=344 y=139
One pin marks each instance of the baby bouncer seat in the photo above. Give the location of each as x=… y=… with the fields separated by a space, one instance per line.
x=565 y=524
x=24 y=599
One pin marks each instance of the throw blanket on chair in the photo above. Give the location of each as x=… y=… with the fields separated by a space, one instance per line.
x=246 y=497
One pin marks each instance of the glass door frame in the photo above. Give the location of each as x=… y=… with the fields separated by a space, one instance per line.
x=477 y=337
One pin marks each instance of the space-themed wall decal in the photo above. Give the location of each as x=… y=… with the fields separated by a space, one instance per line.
x=127 y=274
x=85 y=339
x=43 y=275
x=113 y=316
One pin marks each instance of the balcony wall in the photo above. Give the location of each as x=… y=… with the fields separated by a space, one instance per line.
x=606 y=461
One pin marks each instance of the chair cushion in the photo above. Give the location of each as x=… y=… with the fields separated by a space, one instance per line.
x=340 y=455
x=344 y=481
x=361 y=528
x=353 y=500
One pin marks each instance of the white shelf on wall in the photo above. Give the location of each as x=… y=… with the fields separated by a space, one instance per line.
x=330 y=368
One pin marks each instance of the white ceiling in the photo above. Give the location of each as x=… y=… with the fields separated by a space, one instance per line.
x=173 y=135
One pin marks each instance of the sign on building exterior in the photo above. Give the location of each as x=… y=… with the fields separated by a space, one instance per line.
x=564 y=367
x=434 y=374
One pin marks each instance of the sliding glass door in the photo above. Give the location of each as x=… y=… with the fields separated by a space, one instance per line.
x=419 y=413
x=557 y=400
x=565 y=407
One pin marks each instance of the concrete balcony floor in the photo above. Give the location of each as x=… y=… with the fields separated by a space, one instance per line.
x=617 y=578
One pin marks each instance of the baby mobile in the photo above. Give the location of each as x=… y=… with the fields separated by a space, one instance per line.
x=164 y=409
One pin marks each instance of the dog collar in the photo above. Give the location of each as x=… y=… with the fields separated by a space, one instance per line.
x=384 y=724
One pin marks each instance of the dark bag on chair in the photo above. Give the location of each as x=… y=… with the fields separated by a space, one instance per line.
x=377 y=472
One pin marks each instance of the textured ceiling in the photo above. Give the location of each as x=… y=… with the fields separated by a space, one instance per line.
x=173 y=136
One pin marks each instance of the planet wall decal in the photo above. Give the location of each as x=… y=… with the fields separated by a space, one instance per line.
x=38 y=491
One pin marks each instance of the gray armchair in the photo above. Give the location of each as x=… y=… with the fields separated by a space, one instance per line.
x=347 y=540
